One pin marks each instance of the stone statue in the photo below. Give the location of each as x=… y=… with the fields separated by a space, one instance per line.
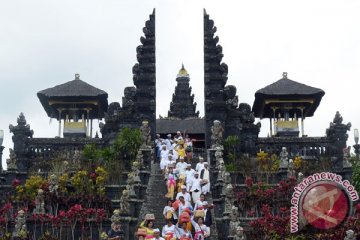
x=338 y=119
x=230 y=94
x=39 y=203
x=140 y=159
x=229 y=198
x=11 y=162
x=136 y=171
x=291 y=170
x=346 y=157
x=239 y=234
x=130 y=184
x=116 y=216
x=217 y=134
x=284 y=158
x=222 y=171
x=146 y=135
x=76 y=159
x=350 y=235
x=300 y=177
x=64 y=167
x=124 y=203
x=235 y=231
x=20 y=225
x=53 y=184
x=218 y=156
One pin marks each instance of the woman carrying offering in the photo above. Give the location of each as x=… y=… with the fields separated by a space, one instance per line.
x=202 y=232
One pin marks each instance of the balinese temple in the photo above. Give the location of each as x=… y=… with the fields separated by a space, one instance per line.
x=75 y=104
x=182 y=115
x=285 y=103
x=182 y=105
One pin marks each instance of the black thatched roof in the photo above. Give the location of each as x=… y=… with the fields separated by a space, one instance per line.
x=191 y=126
x=74 y=88
x=286 y=89
x=75 y=91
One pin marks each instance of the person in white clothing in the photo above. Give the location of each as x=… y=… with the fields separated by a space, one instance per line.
x=200 y=165
x=200 y=201
x=168 y=142
x=157 y=235
x=174 y=153
x=183 y=204
x=169 y=231
x=169 y=212
x=181 y=166
x=195 y=188
x=205 y=179
x=183 y=231
x=163 y=157
x=201 y=230
x=189 y=173
x=184 y=194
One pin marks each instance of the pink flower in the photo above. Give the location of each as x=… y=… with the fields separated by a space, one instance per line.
x=16 y=182
x=249 y=182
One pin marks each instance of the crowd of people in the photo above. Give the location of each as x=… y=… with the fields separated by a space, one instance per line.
x=186 y=213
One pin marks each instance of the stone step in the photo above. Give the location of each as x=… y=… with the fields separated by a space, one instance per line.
x=155 y=200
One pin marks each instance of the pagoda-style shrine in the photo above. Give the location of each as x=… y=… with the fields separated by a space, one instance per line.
x=284 y=103
x=182 y=105
x=76 y=103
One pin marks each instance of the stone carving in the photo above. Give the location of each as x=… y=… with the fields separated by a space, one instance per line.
x=140 y=160
x=291 y=170
x=229 y=198
x=146 y=135
x=350 y=235
x=230 y=95
x=64 y=167
x=235 y=224
x=217 y=134
x=130 y=184
x=135 y=168
x=138 y=102
x=222 y=171
x=22 y=126
x=20 y=225
x=182 y=105
x=124 y=203
x=39 y=203
x=76 y=159
x=221 y=102
x=347 y=157
x=116 y=216
x=53 y=184
x=218 y=156
x=128 y=102
x=300 y=177
x=11 y=162
x=284 y=156
x=338 y=119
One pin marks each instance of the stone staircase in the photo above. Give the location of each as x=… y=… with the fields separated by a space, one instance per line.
x=155 y=200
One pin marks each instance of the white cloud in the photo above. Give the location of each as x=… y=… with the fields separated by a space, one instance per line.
x=43 y=43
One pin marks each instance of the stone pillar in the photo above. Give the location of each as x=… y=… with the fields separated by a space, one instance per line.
x=21 y=132
x=1 y=152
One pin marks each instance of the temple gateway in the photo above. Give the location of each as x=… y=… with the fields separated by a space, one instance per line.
x=80 y=185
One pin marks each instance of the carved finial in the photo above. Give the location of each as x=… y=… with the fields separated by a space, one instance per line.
x=205 y=12
x=77 y=76
x=284 y=75
x=182 y=72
